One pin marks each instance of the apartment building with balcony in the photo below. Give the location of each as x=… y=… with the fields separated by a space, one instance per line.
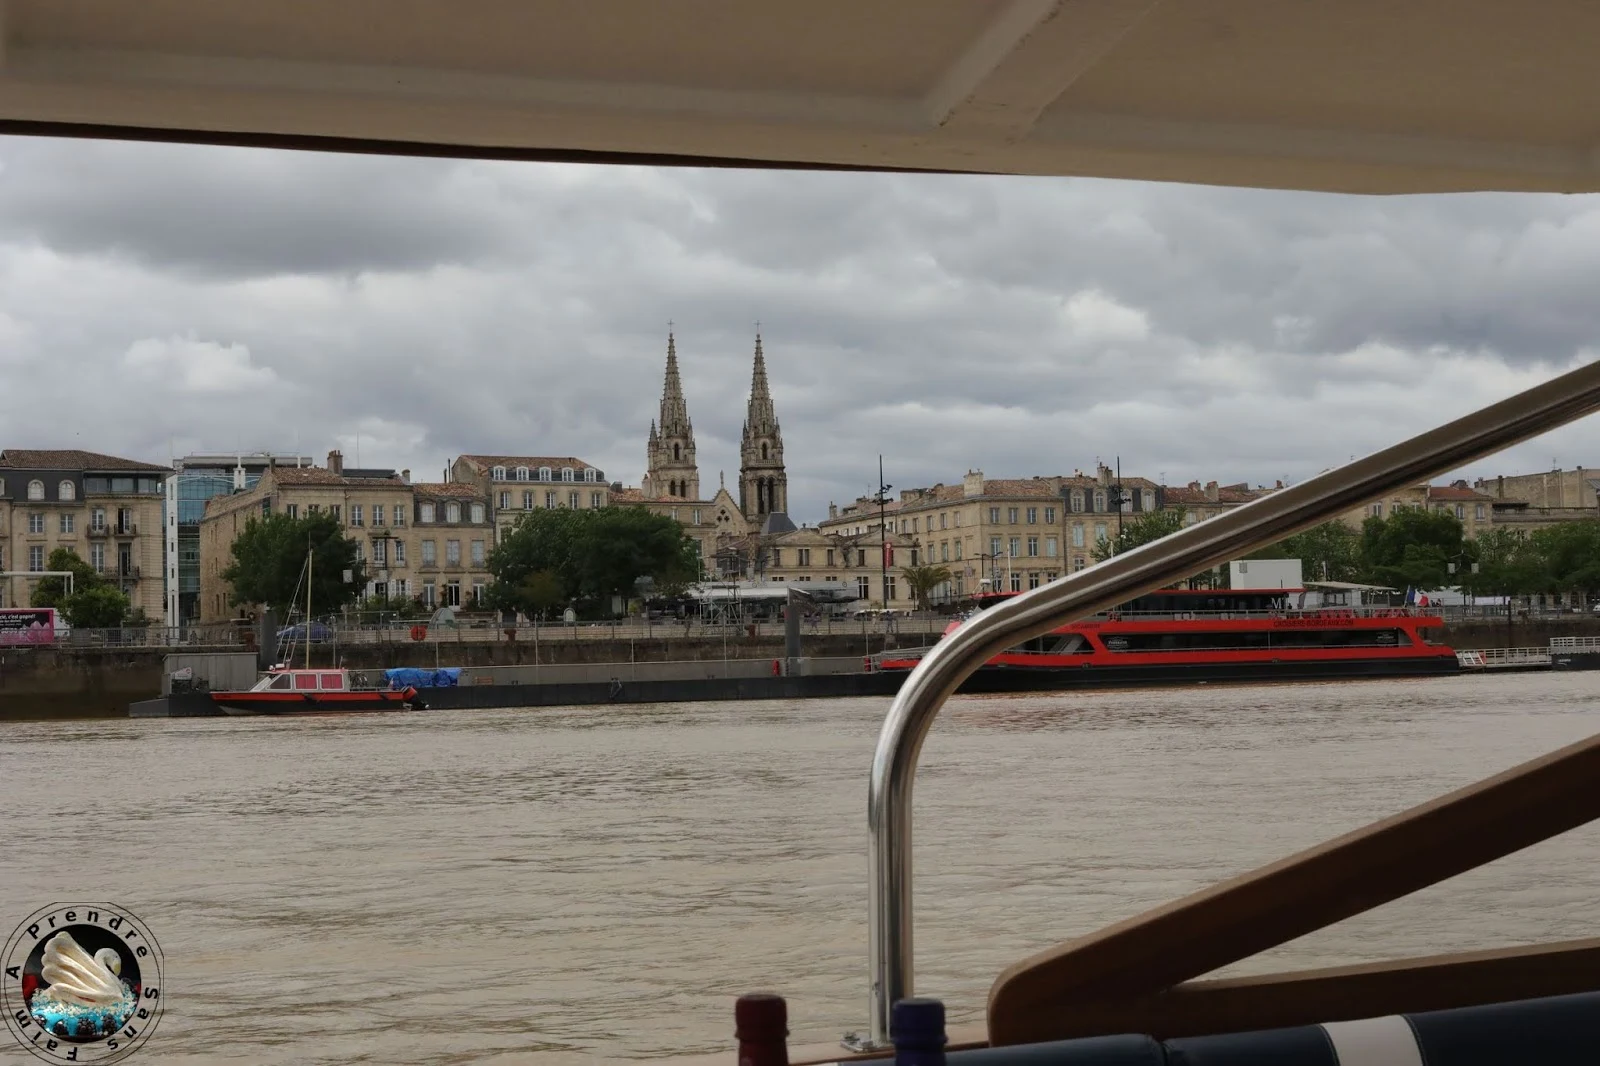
x=105 y=508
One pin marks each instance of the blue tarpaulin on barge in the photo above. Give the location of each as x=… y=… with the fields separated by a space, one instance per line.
x=401 y=676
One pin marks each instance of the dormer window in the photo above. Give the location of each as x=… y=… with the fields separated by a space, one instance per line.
x=35 y=490
x=66 y=491
x=425 y=512
x=544 y=473
x=497 y=474
x=567 y=473
x=452 y=512
x=522 y=473
x=589 y=474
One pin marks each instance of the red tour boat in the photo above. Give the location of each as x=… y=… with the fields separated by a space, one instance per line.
x=1188 y=635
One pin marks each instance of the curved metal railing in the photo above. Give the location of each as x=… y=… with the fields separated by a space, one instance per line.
x=1116 y=580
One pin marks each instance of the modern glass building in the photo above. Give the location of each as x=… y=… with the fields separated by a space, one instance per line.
x=197 y=479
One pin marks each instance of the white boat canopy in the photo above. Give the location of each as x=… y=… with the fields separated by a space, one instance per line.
x=1354 y=95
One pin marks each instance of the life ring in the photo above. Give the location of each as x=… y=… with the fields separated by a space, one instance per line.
x=419 y=633
x=777 y=668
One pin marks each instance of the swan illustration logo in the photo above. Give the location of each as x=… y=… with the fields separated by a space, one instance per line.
x=81 y=982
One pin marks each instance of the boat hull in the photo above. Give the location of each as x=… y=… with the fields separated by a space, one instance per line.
x=248 y=703
x=993 y=679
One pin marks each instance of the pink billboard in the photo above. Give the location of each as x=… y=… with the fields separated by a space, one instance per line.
x=27 y=625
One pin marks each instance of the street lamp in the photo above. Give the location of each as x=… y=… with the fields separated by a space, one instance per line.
x=1117 y=497
x=883 y=531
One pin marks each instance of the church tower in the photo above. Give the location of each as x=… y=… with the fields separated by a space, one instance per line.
x=670 y=468
x=763 y=486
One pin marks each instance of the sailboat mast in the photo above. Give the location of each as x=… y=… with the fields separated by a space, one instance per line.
x=308 y=606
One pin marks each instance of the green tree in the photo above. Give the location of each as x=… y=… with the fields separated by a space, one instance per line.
x=539 y=594
x=922 y=580
x=1508 y=564
x=95 y=602
x=587 y=557
x=543 y=541
x=1142 y=530
x=101 y=607
x=1329 y=552
x=1569 y=556
x=52 y=591
x=622 y=544
x=1412 y=548
x=269 y=556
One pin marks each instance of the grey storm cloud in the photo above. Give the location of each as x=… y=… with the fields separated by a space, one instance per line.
x=158 y=299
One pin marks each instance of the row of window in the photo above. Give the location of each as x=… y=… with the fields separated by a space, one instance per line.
x=93 y=486
x=432 y=594
x=803 y=556
x=97 y=559
x=1077 y=502
x=597 y=500
x=382 y=550
x=522 y=473
x=1479 y=511
x=67 y=521
x=384 y=515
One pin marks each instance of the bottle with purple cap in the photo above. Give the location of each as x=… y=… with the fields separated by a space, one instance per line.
x=761 y=1025
x=916 y=1026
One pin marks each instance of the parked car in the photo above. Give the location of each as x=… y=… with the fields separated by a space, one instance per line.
x=320 y=633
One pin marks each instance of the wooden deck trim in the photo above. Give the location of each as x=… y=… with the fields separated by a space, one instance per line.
x=1344 y=993
x=1147 y=955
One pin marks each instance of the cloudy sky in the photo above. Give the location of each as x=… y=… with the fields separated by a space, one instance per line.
x=158 y=300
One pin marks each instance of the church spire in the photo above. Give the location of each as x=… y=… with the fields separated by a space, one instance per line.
x=763 y=484
x=670 y=468
x=674 y=411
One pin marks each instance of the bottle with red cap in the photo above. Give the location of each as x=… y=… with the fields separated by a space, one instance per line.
x=916 y=1027
x=761 y=1024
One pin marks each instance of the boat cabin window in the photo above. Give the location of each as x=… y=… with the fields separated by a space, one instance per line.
x=280 y=682
x=305 y=681
x=332 y=682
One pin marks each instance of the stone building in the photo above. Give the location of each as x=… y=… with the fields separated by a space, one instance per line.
x=106 y=509
x=1475 y=509
x=807 y=555
x=516 y=484
x=1527 y=501
x=1003 y=533
x=1576 y=489
x=425 y=541
x=445 y=563
x=194 y=480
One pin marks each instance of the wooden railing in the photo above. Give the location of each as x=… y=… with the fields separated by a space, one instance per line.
x=1140 y=975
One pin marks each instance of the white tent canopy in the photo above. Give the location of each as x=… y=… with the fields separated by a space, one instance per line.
x=1359 y=95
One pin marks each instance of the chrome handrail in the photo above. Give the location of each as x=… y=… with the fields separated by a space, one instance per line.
x=1107 y=584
